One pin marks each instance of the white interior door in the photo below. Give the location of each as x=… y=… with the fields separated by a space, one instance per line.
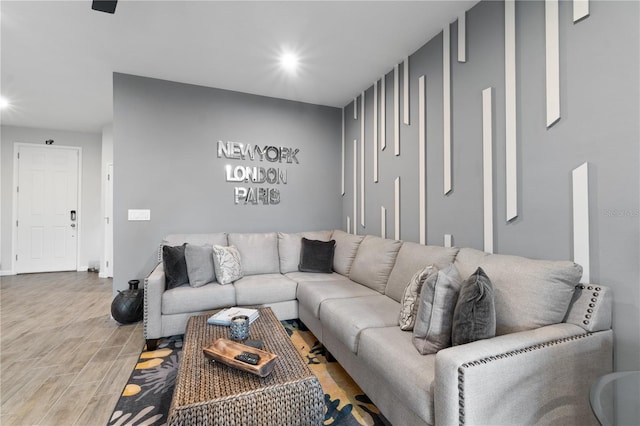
x=107 y=270
x=47 y=208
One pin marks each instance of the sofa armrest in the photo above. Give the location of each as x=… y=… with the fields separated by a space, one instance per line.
x=540 y=376
x=154 y=285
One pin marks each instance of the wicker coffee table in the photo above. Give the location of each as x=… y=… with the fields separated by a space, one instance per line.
x=215 y=394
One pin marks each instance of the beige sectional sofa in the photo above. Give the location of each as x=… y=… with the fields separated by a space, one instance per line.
x=553 y=335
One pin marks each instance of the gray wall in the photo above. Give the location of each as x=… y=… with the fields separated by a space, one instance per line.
x=165 y=159
x=90 y=247
x=599 y=60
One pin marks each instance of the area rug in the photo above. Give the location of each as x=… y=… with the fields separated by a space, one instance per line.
x=146 y=398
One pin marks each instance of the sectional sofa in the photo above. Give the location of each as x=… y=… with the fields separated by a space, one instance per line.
x=553 y=334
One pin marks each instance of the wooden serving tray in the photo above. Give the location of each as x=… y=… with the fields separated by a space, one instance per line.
x=225 y=350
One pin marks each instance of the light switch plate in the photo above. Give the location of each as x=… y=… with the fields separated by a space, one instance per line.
x=139 y=214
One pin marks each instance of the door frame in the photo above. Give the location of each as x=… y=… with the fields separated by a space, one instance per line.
x=107 y=247
x=14 y=215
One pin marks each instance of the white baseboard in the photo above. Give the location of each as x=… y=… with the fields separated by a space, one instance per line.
x=9 y=272
x=82 y=268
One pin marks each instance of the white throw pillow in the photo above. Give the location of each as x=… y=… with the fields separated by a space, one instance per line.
x=226 y=261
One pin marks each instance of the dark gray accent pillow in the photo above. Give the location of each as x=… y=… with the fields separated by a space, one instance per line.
x=200 y=267
x=175 y=266
x=316 y=256
x=434 y=319
x=474 y=317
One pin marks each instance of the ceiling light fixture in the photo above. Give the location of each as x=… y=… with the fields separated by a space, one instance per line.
x=289 y=61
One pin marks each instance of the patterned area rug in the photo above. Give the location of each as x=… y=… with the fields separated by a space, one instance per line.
x=147 y=396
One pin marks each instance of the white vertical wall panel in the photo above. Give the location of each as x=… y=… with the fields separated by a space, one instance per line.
x=355 y=108
x=362 y=181
x=487 y=166
x=580 y=9
x=375 y=132
x=383 y=222
x=355 y=186
x=448 y=240
x=362 y=116
x=462 y=37
x=580 y=178
x=396 y=110
x=552 y=63
x=396 y=203
x=348 y=224
x=422 y=150
x=446 y=105
x=405 y=84
x=383 y=114
x=342 y=153
x=362 y=105
x=511 y=170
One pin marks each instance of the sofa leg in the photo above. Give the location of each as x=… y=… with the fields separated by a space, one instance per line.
x=328 y=356
x=152 y=344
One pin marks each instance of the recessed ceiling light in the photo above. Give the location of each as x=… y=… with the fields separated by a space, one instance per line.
x=4 y=102
x=289 y=61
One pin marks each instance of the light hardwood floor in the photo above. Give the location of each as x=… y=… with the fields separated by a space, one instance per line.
x=63 y=360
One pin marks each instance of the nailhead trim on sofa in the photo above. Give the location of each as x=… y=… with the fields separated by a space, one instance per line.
x=145 y=309
x=594 y=300
x=463 y=367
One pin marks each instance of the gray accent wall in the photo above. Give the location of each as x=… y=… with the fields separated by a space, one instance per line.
x=165 y=138
x=90 y=244
x=599 y=94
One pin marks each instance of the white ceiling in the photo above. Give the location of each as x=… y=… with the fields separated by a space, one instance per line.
x=57 y=57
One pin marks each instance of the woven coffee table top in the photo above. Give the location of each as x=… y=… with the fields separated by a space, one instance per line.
x=202 y=386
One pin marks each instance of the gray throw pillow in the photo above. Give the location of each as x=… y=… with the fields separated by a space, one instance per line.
x=409 y=301
x=226 y=262
x=175 y=266
x=200 y=266
x=316 y=256
x=474 y=317
x=434 y=319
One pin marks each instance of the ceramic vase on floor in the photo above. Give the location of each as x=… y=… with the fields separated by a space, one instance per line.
x=126 y=307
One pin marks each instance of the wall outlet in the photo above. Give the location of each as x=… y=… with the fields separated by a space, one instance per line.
x=139 y=214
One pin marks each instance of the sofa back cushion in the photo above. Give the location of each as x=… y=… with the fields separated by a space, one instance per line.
x=374 y=261
x=346 y=249
x=412 y=258
x=219 y=239
x=259 y=252
x=529 y=293
x=289 y=247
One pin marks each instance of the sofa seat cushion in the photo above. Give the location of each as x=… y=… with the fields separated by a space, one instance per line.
x=289 y=247
x=186 y=299
x=315 y=276
x=390 y=355
x=311 y=294
x=412 y=258
x=528 y=293
x=373 y=262
x=347 y=318
x=259 y=252
x=264 y=288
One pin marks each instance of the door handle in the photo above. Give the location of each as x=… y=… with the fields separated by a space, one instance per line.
x=73 y=215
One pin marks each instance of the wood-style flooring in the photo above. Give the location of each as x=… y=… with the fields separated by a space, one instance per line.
x=63 y=360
